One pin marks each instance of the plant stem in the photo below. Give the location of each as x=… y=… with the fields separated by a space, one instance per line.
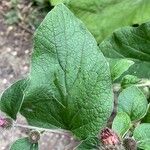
x=58 y=131
x=117 y=86
x=144 y=84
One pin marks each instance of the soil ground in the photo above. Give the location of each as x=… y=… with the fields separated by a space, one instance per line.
x=15 y=52
x=15 y=49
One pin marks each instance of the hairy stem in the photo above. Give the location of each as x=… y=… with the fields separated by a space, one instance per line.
x=144 y=84
x=117 y=86
x=58 y=131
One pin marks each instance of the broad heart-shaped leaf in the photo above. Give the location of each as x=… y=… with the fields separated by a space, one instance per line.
x=102 y=17
x=23 y=144
x=118 y=67
x=11 y=100
x=121 y=123
x=132 y=101
x=142 y=136
x=70 y=83
x=132 y=43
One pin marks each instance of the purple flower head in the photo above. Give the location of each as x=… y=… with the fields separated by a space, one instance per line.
x=2 y=122
x=6 y=122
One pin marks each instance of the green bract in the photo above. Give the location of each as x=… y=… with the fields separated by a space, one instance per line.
x=24 y=144
x=102 y=17
x=142 y=136
x=121 y=123
x=133 y=102
x=69 y=84
x=118 y=67
x=131 y=43
x=129 y=80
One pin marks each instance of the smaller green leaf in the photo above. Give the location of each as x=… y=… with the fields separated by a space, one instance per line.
x=142 y=136
x=121 y=123
x=11 y=100
x=24 y=144
x=118 y=67
x=129 y=80
x=91 y=143
x=132 y=101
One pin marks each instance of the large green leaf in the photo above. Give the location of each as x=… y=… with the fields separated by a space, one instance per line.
x=24 y=144
x=121 y=123
x=11 y=100
x=132 y=43
x=132 y=101
x=142 y=136
x=102 y=17
x=70 y=84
